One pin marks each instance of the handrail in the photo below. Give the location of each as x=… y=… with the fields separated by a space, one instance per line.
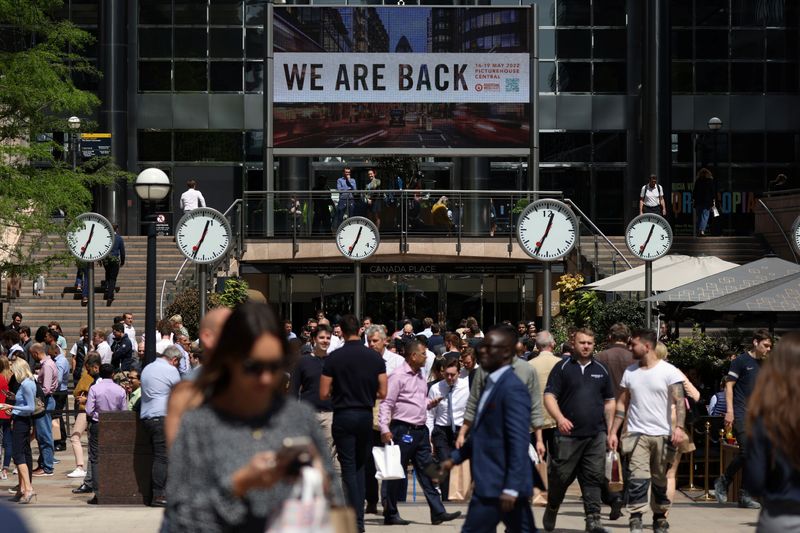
x=784 y=192
x=597 y=231
x=775 y=220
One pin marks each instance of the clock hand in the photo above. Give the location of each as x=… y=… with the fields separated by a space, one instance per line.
x=202 y=238
x=546 y=233
x=85 y=246
x=643 y=246
x=358 y=236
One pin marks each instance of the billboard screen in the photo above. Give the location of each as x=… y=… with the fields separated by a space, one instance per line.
x=401 y=77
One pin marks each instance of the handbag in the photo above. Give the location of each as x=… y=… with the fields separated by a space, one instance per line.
x=38 y=407
x=306 y=510
x=614 y=471
x=387 y=462
x=461 y=482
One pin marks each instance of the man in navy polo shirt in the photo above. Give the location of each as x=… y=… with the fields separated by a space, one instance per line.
x=580 y=397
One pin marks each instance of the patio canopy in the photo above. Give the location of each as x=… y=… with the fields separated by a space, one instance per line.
x=729 y=281
x=668 y=272
x=778 y=295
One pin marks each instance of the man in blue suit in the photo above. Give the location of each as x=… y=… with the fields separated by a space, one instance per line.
x=498 y=444
x=344 y=185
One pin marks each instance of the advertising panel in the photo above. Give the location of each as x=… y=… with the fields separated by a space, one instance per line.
x=408 y=77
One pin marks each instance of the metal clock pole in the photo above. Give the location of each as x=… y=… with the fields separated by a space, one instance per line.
x=648 y=290
x=357 y=295
x=547 y=295
x=90 y=306
x=202 y=273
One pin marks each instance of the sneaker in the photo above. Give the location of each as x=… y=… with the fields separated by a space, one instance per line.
x=549 y=518
x=4 y=475
x=746 y=501
x=721 y=489
x=616 y=509
x=14 y=489
x=41 y=473
x=594 y=524
x=14 y=472
x=78 y=472
x=56 y=461
x=660 y=525
x=635 y=524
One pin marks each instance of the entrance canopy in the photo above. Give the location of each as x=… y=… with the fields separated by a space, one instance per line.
x=778 y=295
x=729 y=281
x=668 y=272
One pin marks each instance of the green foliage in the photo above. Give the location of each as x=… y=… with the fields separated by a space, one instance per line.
x=701 y=354
x=235 y=293
x=39 y=55
x=606 y=314
x=391 y=167
x=186 y=304
x=520 y=205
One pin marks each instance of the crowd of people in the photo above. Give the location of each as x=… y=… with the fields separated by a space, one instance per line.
x=250 y=405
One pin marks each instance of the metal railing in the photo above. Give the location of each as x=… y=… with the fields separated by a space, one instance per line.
x=597 y=235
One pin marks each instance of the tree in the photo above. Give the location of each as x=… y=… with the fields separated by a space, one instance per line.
x=40 y=194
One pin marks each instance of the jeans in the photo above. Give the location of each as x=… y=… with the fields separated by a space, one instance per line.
x=8 y=447
x=418 y=451
x=583 y=457
x=44 y=436
x=21 y=434
x=352 y=434
x=702 y=220
x=155 y=429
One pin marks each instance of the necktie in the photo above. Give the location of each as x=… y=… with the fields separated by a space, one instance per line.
x=450 y=417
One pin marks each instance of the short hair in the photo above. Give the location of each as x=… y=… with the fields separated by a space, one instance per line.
x=375 y=329
x=453 y=339
x=427 y=322
x=284 y=322
x=422 y=340
x=164 y=327
x=118 y=327
x=191 y=184
x=585 y=331
x=469 y=351
x=350 y=325
x=84 y=330
x=10 y=336
x=449 y=362
x=93 y=359
x=54 y=333
x=544 y=340
x=26 y=330
x=106 y=371
x=126 y=314
x=100 y=333
x=761 y=335
x=509 y=332
x=435 y=329
x=118 y=319
x=16 y=314
x=37 y=347
x=364 y=319
x=54 y=325
x=413 y=346
x=619 y=332
x=322 y=328
x=172 y=352
x=647 y=335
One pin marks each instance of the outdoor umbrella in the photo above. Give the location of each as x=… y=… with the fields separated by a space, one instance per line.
x=778 y=295
x=668 y=272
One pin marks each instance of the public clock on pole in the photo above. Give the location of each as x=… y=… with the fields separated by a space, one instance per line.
x=796 y=234
x=357 y=238
x=547 y=230
x=203 y=235
x=649 y=236
x=92 y=237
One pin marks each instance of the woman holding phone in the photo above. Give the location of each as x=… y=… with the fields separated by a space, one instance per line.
x=235 y=469
x=21 y=413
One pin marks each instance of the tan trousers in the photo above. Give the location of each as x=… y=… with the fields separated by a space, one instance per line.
x=325 y=419
x=78 y=429
x=650 y=458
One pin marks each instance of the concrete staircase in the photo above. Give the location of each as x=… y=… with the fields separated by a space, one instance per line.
x=734 y=249
x=62 y=303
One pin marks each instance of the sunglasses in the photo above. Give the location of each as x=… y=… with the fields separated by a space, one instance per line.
x=253 y=367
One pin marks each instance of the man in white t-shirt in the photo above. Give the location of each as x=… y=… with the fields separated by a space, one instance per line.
x=649 y=389
x=192 y=198
x=651 y=198
x=102 y=347
x=130 y=331
x=165 y=330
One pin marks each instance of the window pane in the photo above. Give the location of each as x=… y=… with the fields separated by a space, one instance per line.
x=747 y=77
x=226 y=76
x=155 y=42
x=747 y=44
x=190 y=12
x=574 y=77
x=681 y=12
x=609 y=12
x=610 y=44
x=565 y=147
x=609 y=77
x=747 y=148
x=711 y=12
x=782 y=44
x=84 y=12
x=547 y=77
x=224 y=42
x=154 y=145
x=254 y=43
x=254 y=77
x=254 y=14
x=208 y=146
x=225 y=12
x=254 y=145
x=744 y=13
x=155 y=76
x=781 y=147
x=190 y=76
x=712 y=77
x=681 y=44
x=782 y=77
x=711 y=44
x=608 y=184
x=190 y=42
x=573 y=13
x=681 y=77
x=609 y=147
x=574 y=44
x=155 y=12
x=547 y=44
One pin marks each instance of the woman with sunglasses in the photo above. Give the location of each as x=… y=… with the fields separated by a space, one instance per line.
x=232 y=471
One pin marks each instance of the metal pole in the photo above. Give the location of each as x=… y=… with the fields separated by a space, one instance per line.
x=74 y=151
x=694 y=170
x=357 y=295
x=706 y=497
x=150 y=297
x=546 y=288
x=202 y=288
x=533 y=149
x=291 y=297
x=648 y=291
x=90 y=307
x=269 y=150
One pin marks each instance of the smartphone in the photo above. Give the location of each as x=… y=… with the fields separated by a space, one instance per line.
x=295 y=453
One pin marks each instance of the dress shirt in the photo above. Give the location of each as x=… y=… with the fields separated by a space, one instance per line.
x=393 y=361
x=438 y=415
x=134 y=397
x=183 y=362
x=192 y=199
x=490 y=381
x=105 y=396
x=130 y=331
x=104 y=349
x=344 y=185
x=25 y=401
x=63 y=372
x=336 y=343
x=158 y=378
x=48 y=376
x=406 y=399
x=430 y=357
x=162 y=345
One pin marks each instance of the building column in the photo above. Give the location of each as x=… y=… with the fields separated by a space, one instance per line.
x=657 y=94
x=635 y=173
x=295 y=174
x=475 y=173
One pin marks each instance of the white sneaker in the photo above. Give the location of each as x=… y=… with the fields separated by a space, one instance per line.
x=78 y=472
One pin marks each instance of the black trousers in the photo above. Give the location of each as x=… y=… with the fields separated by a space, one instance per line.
x=352 y=434
x=581 y=457
x=61 y=406
x=158 y=442
x=112 y=270
x=370 y=483
x=21 y=442
x=741 y=438
x=444 y=442
x=94 y=448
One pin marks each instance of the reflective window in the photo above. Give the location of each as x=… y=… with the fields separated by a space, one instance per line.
x=781 y=148
x=610 y=77
x=782 y=78
x=567 y=147
x=712 y=77
x=711 y=12
x=84 y=12
x=610 y=44
x=747 y=44
x=155 y=42
x=747 y=77
x=681 y=12
x=253 y=77
x=155 y=76
x=208 y=146
x=154 y=145
x=610 y=147
x=225 y=42
x=573 y=13
x=609 y=12
x=681 y=44
x=547 y=76
x=574 y=44
x=190 y=76
x=574 y=77
x=747 y=147
x=681 y=77
x=155 y=12
x=711 y=44
x=190 y=42
x=226 y=76
x=190 y=12
x=225 y=12
x=254 y=145
x=782 y=44
x=254 y=43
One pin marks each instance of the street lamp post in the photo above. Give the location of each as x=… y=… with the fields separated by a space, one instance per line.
x=74 y=125
x=152 y=185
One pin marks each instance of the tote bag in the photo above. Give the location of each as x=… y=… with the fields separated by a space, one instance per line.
x=387 y=462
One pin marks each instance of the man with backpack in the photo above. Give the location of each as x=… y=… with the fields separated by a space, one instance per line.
x=651 y=198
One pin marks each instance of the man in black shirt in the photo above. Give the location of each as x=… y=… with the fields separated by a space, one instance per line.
x=580 y=398
x=121 y=349
x=353 y=377
x=304 y=384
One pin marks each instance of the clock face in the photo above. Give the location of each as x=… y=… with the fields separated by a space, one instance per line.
x=796 y=234
x=92 y=238
x=357 y=238
x=547 y=230
x=203 y=235
x=649 y=236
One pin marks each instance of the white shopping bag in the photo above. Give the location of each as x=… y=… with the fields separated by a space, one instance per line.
x=387 y=462
x=306 y=510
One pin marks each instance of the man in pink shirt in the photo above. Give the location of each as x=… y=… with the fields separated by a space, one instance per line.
x=48 y=379
x=402 y=417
